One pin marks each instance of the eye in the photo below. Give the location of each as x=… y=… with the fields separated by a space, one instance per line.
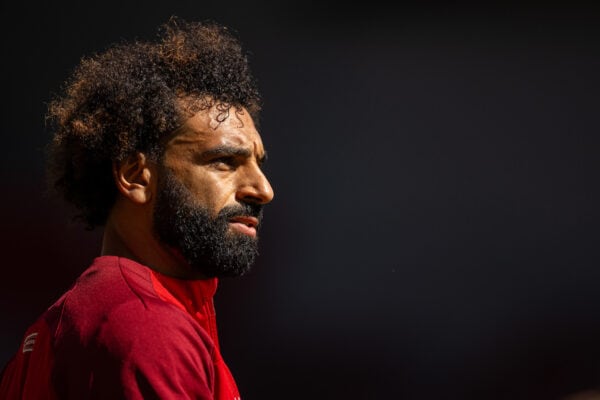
x=225 y=163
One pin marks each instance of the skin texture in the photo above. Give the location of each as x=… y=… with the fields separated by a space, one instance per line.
x=218 y=160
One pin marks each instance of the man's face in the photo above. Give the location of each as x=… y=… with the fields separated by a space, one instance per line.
x=210 y=192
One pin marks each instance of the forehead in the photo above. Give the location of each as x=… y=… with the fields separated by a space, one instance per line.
x=217 y=126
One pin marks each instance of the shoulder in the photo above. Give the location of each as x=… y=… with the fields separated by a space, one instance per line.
x=138 y=352
x=107 y=285
x=127 y=338
x=114 y=305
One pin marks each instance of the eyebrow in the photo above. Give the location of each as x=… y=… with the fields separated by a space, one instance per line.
x=232 y=151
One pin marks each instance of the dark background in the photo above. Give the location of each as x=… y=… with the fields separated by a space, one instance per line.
x=435 y=226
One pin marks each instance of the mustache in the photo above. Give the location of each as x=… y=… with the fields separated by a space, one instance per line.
x=243 y=209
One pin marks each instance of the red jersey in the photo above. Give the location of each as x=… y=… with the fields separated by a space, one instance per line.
x=123 y=331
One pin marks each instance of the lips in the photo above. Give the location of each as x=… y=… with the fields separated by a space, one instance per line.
x=244 y=224
x=248 y=221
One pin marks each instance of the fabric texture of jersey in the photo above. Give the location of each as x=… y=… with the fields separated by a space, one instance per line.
x=123 y=331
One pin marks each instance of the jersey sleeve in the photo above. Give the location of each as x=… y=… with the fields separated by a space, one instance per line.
x=27 y=375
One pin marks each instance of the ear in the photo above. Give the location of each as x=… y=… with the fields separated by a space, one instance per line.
x=134 y=178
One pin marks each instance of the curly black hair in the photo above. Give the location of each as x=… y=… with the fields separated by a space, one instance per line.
x=129 y=97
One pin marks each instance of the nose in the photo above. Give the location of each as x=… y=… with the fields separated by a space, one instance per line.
x=255 y=187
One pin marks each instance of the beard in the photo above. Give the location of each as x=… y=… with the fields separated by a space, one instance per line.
x=205 y=242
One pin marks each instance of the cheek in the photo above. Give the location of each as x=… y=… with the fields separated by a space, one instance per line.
x=211 y=190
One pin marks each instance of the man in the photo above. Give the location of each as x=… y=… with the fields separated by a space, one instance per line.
x=157 y=143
